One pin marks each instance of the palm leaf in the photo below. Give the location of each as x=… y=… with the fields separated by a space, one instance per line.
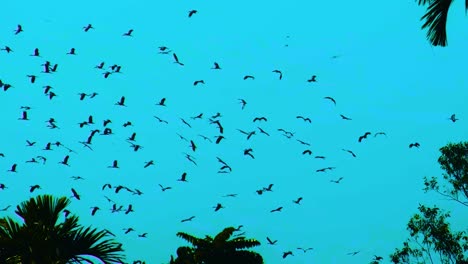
x=224 y=235
x=423 y=2
x=91 y=242
x=436 y=21
x=189 y=238
x=43 y=209
x=240 y=243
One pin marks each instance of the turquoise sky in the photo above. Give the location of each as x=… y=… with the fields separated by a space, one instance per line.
x=386 y=78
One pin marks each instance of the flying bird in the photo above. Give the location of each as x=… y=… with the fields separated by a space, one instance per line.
x=305 y=249
x=352 y=153
x=279 y=72
x=75 y=194
x=128 y=34
x=276 y=210
x=312 y=79
x=331 y=99
x=298 y=200
x=453 y=118
x=271 y=242
x=18 y=29
x=183 y=177
x=337 y=181
x=121 y=102
x=218 y=207
x=345 y=118
x=364 y=136
x=192 y=12
x=88 y=27
x=417 y=145
x=187 y=219
x=177 y=59
x=380 y=133
x=162 y=102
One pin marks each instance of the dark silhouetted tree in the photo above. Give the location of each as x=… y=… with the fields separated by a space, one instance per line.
x=431 y=240
x=217 y=250
x=436 y=20
x=41 y=238
x=454 y=161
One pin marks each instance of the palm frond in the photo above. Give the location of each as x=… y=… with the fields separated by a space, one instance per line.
x=189 y=238
x=44 y=210
x=243 y=243
x=423 y=2
x=436 y=21
x=224 y=235
x=90 y=242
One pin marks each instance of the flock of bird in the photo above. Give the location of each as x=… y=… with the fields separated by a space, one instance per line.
x=98 y=129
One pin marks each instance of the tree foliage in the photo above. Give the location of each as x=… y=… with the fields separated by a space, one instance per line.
x=454 y=161
x=431 y=240
x=220 y=249
x=41 y=238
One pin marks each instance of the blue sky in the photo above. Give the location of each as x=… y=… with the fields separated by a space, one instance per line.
x=387 y=78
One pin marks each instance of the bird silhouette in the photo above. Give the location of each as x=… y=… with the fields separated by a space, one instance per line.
x=18 y=29
x=195 y=83
x=183 y=177
x=345 y=118
x=243 y=103
x=417 y=145
x=94 y=210
x=453 y=118
x=298 y=200
x=34 y=187
x=75 y=194
x=162 y=102
x=331 y=99
x=260 y=119
x=312 y=79
x=306 y=119
x=352 y=153
x=115 y=165
x=380 y=133
x=72 y=52
x=13 y=168
x=65 y=161
x=287 y=253
x=305 y=249
x=247 y=152
x=164 y=188
x=187 y=219
x=192 y=12
x=218 y=207
x=277 y=209
x=216 y=66
x=177 y=59
x=87 y=28
x=364 y=136
x=128 y=33
x=271 y=242
x=337 y=181
x=121 y=102
x=280 y=74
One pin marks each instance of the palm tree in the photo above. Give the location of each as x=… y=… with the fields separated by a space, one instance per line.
x=217 y=250
x=41 y=239
x=436 y=20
